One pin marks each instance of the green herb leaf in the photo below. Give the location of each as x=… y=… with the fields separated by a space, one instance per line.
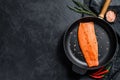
x=81 y=8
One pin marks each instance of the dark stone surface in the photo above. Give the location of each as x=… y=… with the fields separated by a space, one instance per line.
x=31 y=34
x=31 y=39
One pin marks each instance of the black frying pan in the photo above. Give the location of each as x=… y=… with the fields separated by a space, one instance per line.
x=106 y=36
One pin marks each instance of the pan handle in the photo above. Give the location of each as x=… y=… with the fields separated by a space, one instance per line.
x=104 y=9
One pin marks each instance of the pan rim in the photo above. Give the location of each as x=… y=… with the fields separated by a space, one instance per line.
x=71 y=57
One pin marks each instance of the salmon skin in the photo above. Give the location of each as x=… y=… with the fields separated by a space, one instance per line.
x=88 y=43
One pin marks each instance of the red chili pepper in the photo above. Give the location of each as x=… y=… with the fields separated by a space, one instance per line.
x=98 y=70
x=103 y=72
x=97 y=77
x=100 y=73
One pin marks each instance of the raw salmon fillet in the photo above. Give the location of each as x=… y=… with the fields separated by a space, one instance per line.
x=88 y=43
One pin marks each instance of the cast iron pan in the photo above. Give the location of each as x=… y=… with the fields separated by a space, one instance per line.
x=106 y=36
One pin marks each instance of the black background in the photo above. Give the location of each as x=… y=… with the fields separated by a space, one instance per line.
x=31 y=33
x=31 y=39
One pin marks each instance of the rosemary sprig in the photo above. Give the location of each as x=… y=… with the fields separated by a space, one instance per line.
x=81 y=8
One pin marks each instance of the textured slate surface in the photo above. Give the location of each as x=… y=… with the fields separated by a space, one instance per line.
x=116 y=60
x=31 y=34
x=31 y=39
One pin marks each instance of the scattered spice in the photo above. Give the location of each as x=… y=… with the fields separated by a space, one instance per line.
x=74 y=49
x=74 y=45
x=107 y=48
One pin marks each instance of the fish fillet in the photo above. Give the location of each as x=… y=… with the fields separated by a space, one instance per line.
x=88 y=43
